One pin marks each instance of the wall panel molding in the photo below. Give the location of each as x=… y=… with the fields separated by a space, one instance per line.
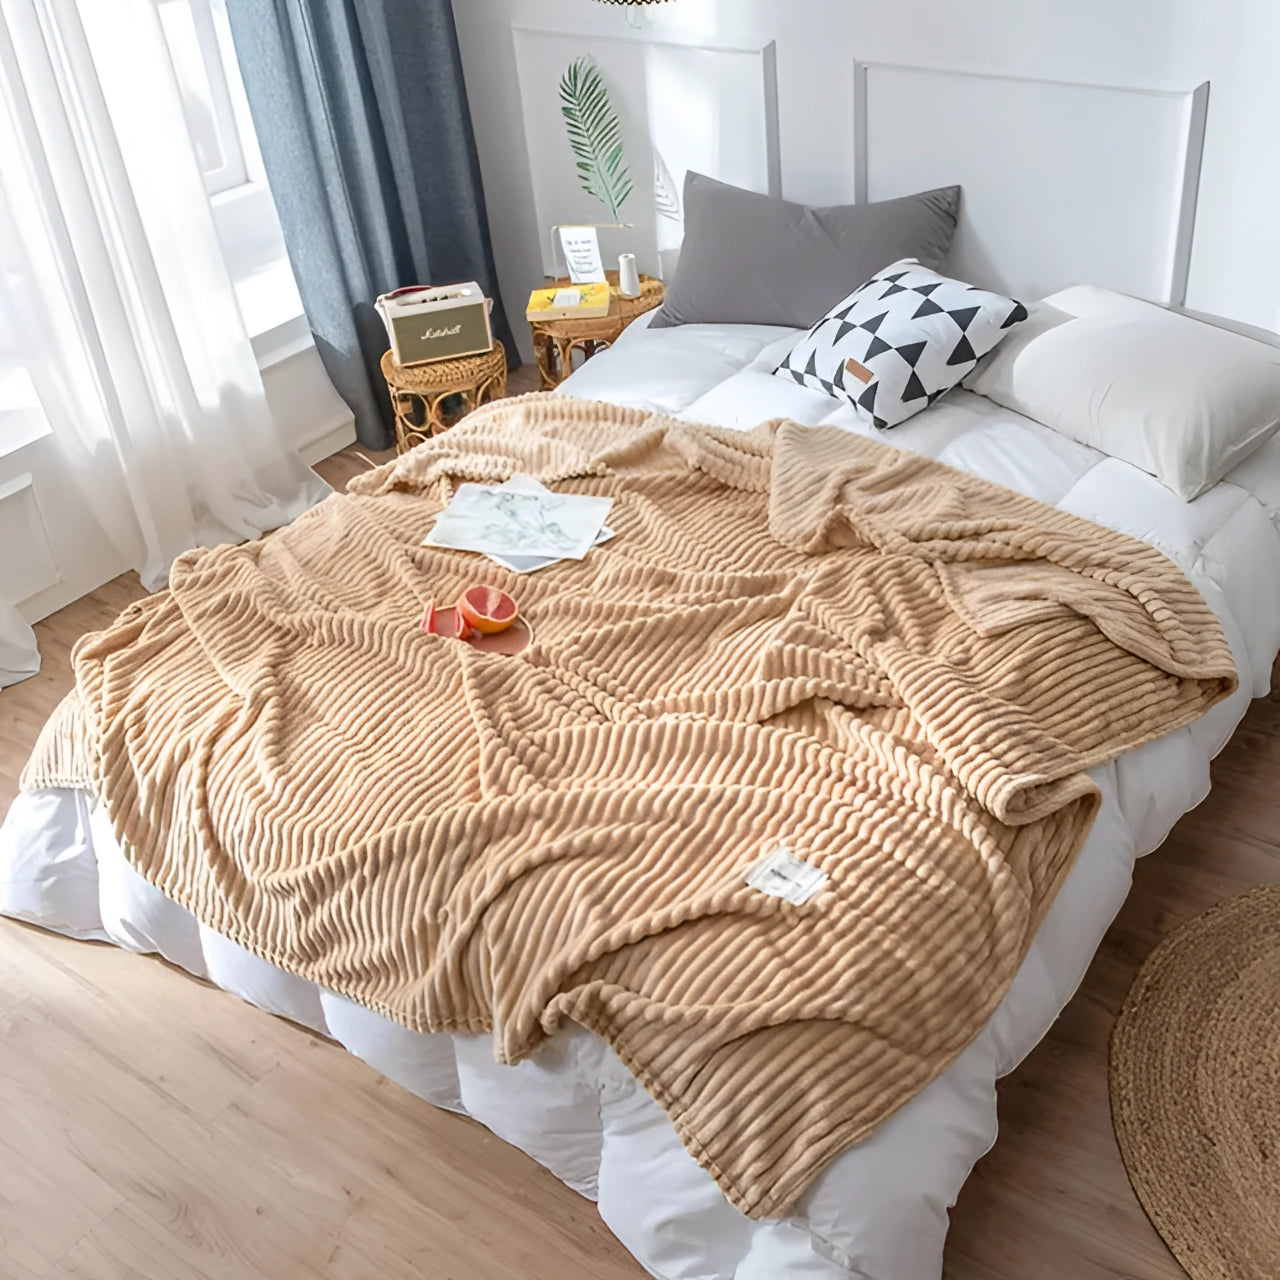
x=22 y=524
x=695 y=104
x=1064 y=181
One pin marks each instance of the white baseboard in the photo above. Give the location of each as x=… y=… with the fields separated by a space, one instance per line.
x=309 y=414
x=39 y=606
x=337 y=435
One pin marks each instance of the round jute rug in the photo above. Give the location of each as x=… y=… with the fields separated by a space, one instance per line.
x=1195 y=1089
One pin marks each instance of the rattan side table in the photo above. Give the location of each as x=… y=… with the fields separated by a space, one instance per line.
x=419 y=391
x=554 y=340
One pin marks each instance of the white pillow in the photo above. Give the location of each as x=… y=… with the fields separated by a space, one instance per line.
x=900 y=341
x=1182 y=400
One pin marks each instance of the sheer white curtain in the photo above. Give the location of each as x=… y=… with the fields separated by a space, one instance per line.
x=19 y=657
x=113 y=278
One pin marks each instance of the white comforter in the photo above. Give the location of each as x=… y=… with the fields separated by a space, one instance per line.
x=880 y=1211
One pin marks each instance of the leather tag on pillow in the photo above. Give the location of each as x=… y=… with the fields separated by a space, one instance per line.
x=859 y=371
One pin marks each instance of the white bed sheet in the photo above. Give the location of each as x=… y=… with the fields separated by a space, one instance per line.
x=880 y=1211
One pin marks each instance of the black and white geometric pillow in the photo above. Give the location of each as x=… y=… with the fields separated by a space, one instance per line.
x=900 y=341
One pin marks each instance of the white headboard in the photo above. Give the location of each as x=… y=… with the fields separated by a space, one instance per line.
x=1063 y=183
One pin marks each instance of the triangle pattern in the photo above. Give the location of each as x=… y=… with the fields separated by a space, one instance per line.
x=914 y=390
x=1016 y=316
x=893 y=312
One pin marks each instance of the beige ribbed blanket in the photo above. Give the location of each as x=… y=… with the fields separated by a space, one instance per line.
x=799 y=639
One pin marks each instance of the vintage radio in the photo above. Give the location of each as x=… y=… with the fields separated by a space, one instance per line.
x=426 y=324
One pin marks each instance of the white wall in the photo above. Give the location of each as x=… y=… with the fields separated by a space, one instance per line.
x=1171 y=44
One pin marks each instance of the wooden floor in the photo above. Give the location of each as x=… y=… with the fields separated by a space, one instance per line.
x=154 y=1127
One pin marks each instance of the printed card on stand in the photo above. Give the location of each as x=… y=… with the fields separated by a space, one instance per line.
x=582 y=252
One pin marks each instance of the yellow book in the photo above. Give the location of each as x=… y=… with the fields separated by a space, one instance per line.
x=569 y=302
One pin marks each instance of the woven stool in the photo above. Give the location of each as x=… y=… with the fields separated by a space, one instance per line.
x=555 y=341
x=418 y=392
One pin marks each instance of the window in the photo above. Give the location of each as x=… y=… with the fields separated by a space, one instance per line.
x=199 y=38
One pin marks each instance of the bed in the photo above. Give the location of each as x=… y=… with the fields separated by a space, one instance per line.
x=879 y=1212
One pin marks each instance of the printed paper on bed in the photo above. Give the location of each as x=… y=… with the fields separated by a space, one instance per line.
x=520 y=520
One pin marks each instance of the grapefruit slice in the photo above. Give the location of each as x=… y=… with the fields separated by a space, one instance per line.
x=460 y=628
x=486 y=610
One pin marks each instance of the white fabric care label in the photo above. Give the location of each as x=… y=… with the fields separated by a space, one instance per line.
x=783 y=875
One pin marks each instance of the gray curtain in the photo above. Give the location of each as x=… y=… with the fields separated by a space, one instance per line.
x=361 y=113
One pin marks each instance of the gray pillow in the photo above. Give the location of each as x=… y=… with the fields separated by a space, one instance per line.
x=754 y=259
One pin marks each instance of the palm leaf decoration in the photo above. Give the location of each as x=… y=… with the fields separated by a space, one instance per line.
x=595 y=134
x=666 y=199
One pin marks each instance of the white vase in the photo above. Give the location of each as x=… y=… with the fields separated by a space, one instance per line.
x=628 y=276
